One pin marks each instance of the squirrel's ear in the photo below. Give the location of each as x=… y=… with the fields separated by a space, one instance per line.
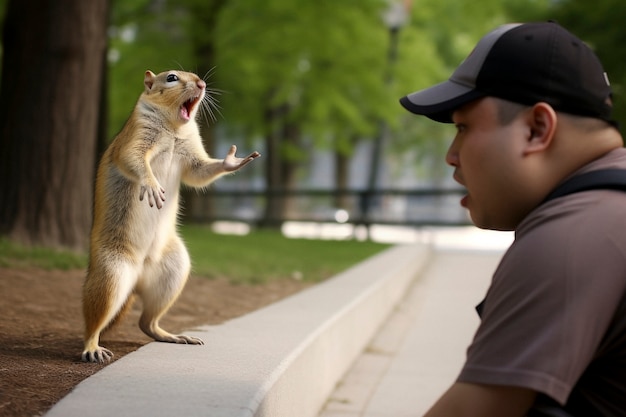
x=148 y=80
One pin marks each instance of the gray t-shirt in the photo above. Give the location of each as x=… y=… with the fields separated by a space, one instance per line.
x=554 y=318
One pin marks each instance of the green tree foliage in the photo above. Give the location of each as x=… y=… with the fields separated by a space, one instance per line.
x=301 y=71
x=323 y=60
x=440 y=35
x=320 y=65
x=328 y=59
x=143 y=35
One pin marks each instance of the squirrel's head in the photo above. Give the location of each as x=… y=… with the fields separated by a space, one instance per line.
x=175 y=93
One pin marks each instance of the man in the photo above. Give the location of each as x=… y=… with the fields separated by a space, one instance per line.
x=532 y=107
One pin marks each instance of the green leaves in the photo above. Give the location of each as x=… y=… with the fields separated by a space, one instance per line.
x=325 y=66
x=319 y=58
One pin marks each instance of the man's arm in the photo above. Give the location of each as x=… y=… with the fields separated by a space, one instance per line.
x=476 y=400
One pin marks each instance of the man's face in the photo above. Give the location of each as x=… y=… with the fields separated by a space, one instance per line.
x=487 y=158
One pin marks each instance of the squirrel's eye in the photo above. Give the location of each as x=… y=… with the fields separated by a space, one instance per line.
x=171 y=78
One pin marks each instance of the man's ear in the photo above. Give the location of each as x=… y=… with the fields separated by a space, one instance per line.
x=542 y=121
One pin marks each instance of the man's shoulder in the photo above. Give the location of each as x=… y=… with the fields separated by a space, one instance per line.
x=594 y=212
x=615 y=159
x=583 y=235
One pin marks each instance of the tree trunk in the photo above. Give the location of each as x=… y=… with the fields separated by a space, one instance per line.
x=342 y=168
x=290 y=138
x=50 y=93
x=280 y=168
x=274 y=200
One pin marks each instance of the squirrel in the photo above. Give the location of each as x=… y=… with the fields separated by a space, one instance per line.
x=134 y=245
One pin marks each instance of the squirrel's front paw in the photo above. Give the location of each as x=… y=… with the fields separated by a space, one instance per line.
x=156 y=194
x=233 y=163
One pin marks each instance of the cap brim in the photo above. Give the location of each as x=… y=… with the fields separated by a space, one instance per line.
x=440 y=101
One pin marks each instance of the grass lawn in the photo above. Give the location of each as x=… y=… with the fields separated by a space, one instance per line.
x=266 y=254
x=258 y=257
x=16 y=256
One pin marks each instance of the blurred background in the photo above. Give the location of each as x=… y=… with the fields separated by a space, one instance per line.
x=311 y=84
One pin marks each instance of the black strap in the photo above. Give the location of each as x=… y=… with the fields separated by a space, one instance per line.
x=607 y=179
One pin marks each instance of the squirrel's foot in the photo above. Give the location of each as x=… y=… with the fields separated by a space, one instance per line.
x=153 y=330
x=187 y=340
x=98 y=355
x=180 y=339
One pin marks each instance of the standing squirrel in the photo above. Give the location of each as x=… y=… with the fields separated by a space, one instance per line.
x=134 y=246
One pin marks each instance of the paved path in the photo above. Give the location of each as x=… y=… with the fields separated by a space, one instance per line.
x=259 y=364
x=419 y=351
x=413 y=302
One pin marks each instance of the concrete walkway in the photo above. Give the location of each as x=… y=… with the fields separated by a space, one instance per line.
x=394 y=327
x=419 y=351
x=280 y=361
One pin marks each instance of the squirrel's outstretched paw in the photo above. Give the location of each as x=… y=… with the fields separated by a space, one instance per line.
x=232 y=163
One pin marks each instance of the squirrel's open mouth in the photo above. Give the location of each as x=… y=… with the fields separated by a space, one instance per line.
x=188 y=106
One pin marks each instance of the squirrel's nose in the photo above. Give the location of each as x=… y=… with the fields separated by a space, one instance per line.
x=201 y=84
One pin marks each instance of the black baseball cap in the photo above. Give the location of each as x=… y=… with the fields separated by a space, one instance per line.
x=524 y=63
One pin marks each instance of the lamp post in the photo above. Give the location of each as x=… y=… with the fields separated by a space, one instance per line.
x=395 y=17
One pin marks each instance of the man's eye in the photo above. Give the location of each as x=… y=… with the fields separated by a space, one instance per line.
x=171 y=78
x=460 y=127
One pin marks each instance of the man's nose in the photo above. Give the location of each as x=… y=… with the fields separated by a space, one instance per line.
x=452 y=156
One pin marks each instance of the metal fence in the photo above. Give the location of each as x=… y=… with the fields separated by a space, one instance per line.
x=417 y=207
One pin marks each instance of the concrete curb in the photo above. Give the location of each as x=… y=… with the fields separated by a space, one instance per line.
x=282 y=360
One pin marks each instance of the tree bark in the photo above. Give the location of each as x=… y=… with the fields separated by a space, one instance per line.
x=342 y=168
x=274 y=201
x=50 y=96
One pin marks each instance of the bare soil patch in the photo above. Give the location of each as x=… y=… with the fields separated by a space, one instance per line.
x=41 y=329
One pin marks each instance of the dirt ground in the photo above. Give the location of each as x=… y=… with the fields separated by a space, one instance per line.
x=41 y=329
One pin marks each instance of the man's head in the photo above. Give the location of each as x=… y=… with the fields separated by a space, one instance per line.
x=531 y=105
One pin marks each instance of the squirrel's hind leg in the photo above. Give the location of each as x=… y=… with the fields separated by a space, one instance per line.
x=107 y=293
x=160 y=286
